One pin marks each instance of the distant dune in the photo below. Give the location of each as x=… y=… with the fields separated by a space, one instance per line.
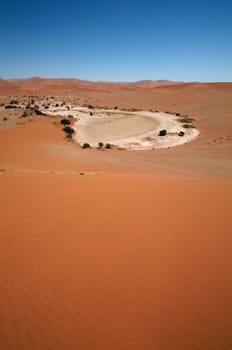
x=64 y=85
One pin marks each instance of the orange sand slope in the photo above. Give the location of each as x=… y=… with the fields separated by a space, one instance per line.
x=105 y=262
x=137 y=257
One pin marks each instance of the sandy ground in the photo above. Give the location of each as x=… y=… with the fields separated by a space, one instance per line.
x=133 y=255
x=105 y=262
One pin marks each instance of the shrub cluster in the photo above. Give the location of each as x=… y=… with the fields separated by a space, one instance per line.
x=65 y=121
x=10 y=106
x=163 y=132
x=68 y=130
x=101 y=145
x=86 y=145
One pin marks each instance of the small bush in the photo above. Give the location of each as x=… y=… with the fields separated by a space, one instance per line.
x=5 y=119
x=163 y=132
x=57 y=105
x=181 y=133
x=90 y=106
x=116 y=107
x=108 y=146
x=188 y=126
x=91 y=114
x=37 y=111
x=68 y=130
x=10 y=107
x=24 y=115
x=100 y=144
x=86 y=145
x=186 y=120
x=14 y=102
x=68 y=136
x=65 y=122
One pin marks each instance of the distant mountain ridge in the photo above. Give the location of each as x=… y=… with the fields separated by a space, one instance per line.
x=59 y=85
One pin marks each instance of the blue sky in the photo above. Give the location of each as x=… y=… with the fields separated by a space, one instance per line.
x=117 y=40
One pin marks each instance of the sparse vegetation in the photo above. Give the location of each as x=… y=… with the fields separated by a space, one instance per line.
x=68 y=130
x=186 y=120
x=181 y=133
x=69 y=136
x=86 y=145
x=24 y=115
x=10 y=106
x=188 y=126
x=65 y=121
x=37 y=111
x=163 y=132
x=14 y=102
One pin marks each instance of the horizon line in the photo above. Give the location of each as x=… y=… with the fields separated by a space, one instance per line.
x=118 y=82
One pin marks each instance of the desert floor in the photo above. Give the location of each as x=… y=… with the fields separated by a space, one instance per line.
x=135 y=253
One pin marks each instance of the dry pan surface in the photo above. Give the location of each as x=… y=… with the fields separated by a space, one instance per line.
x=130 y=130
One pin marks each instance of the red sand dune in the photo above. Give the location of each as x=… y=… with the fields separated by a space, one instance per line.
x=107 y=262
x=63 y=85
x=138 y=257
